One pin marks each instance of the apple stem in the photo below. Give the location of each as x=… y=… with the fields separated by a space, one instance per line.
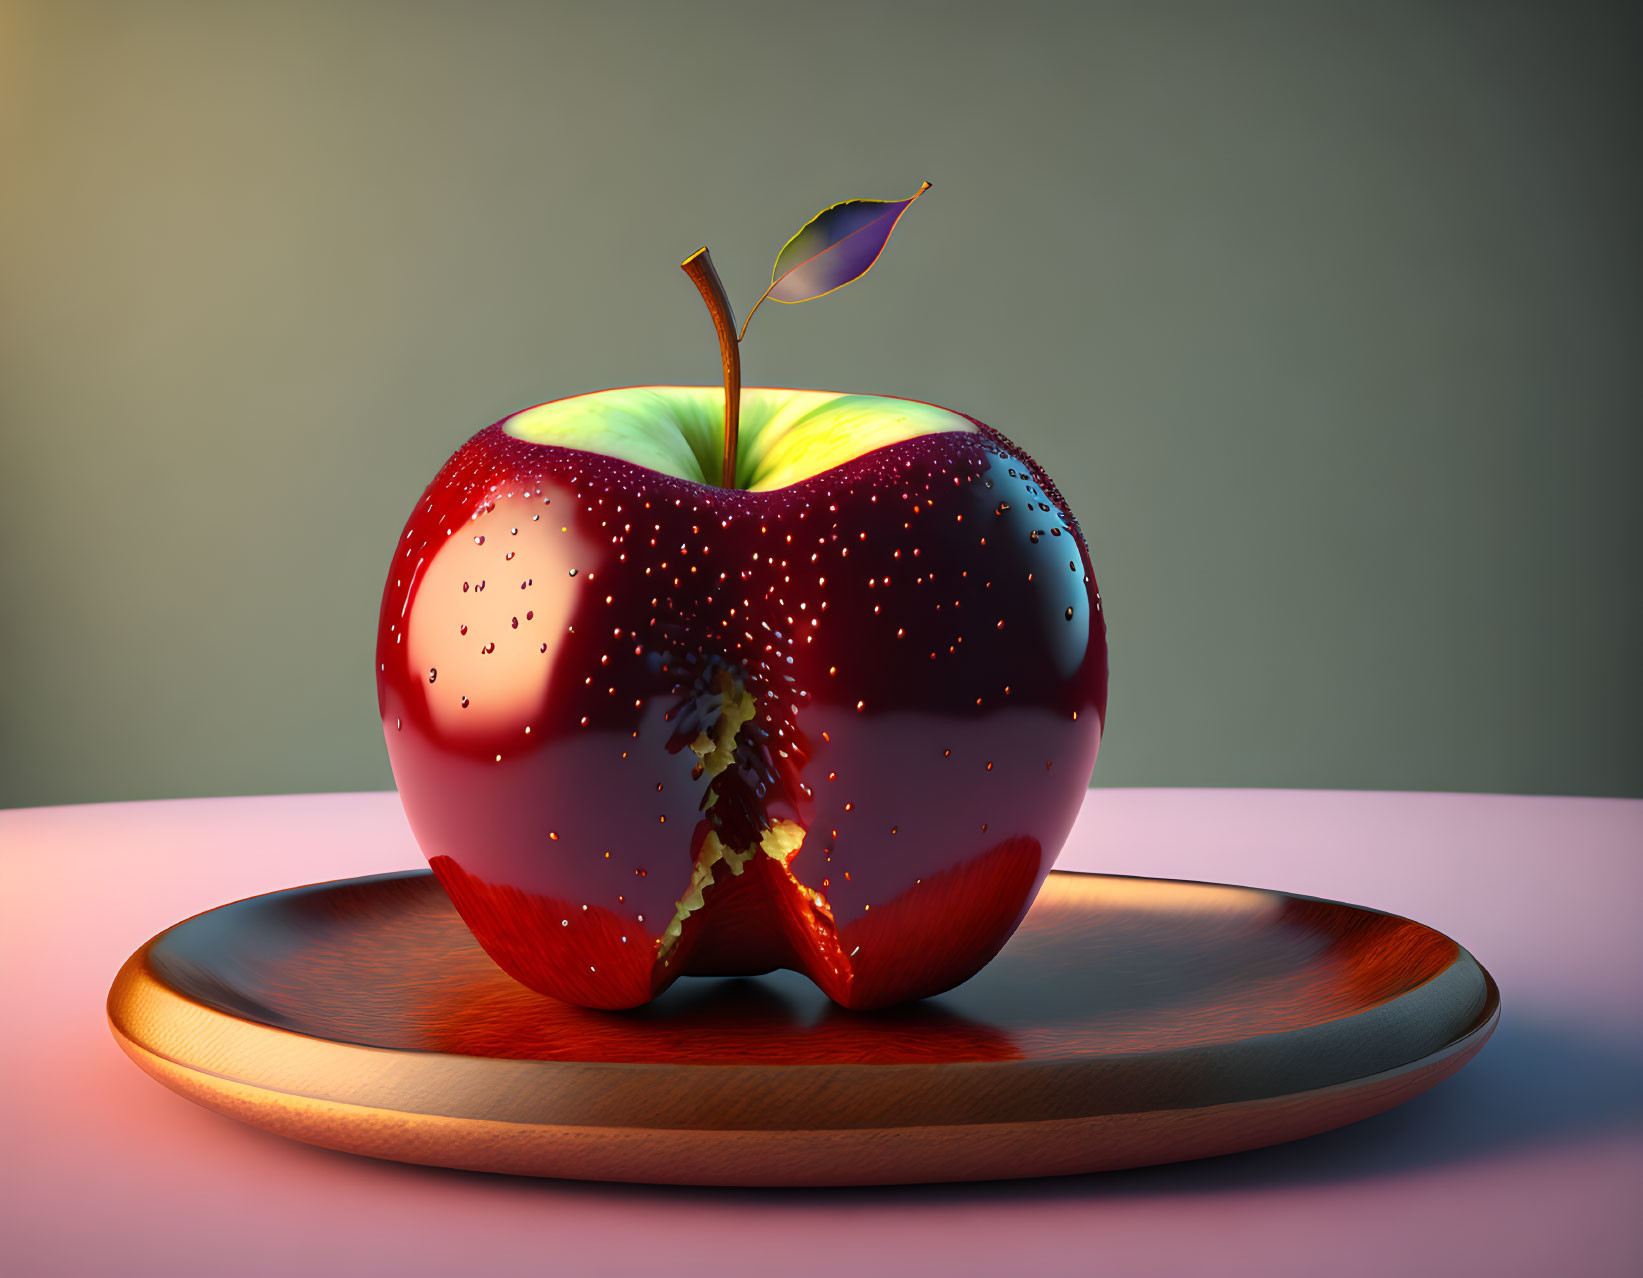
x=699 y=266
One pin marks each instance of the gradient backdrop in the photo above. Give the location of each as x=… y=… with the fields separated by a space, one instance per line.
x=1327 y=318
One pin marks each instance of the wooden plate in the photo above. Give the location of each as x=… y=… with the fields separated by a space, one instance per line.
x=1130 y=1021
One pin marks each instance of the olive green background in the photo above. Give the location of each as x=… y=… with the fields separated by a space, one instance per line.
x=1325 y=317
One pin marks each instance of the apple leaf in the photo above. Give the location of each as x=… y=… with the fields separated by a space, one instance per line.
x=838 y=245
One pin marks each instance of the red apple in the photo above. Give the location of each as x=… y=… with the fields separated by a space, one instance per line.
x=837 y=719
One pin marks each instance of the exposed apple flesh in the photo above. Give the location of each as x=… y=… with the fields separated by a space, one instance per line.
x=838 y=720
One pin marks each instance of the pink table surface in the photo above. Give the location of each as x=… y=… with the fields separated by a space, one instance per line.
x=1529 y=1161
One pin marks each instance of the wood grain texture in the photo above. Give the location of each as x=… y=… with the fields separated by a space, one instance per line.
x=1130 y=1021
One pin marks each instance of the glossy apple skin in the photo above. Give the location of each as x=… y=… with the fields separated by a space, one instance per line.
x=922 y=633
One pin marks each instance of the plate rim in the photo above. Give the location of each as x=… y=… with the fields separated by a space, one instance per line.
x=139 y=990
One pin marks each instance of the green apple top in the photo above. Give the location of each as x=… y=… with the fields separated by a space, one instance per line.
x=785 y=435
